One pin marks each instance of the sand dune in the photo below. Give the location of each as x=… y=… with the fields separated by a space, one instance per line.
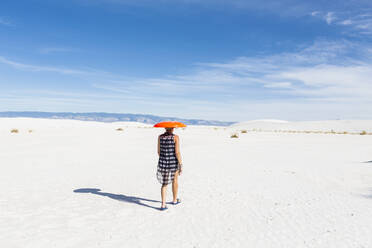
x=84 y=184
x=335 y=125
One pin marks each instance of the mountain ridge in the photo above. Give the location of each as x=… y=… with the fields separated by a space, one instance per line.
x=110 y=117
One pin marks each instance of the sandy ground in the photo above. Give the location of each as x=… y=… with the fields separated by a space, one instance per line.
x=84 y=184
x=349 y=126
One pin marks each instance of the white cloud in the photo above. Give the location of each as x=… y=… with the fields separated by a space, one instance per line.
x=353 y=82
x=346 y=22
x=315 y=13
x=323 y=75
x=278 y=85
x=322 y=71
x=360 y=23
x=330 y=17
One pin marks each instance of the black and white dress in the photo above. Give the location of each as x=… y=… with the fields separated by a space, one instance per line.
x=168 y=163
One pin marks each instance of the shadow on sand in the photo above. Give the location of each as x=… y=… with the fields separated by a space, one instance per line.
x=368 y=194
x=124 y=198
x=368 y=161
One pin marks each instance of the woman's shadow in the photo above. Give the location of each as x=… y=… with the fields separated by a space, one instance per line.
x=124 y=198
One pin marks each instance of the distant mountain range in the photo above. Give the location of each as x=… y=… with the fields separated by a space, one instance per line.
x=111 y=117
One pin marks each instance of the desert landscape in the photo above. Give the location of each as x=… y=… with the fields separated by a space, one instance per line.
x=268 y=183
x=271 y=100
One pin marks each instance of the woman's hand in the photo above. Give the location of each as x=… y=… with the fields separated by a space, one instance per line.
x=179 y=169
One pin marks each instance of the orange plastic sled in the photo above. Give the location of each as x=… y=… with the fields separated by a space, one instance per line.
x=170 y=124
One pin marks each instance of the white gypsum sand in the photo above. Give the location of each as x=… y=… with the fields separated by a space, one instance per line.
x=258 y=190
x=349 y=126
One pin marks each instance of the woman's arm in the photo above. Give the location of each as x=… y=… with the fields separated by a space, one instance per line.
x=159 y=145
x=178 y=153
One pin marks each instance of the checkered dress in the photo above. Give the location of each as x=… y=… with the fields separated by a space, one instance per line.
x=168 y=163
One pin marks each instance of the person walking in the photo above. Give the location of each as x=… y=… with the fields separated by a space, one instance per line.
x=169 y=164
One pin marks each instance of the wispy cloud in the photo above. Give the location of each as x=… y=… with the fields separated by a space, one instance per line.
x=324 y=71
x=48 y=50
x=39 y=68
x=327 y=10
x=285 y=85
x=315 y=13
x=4 y=21
x=360 y=23
x=346 y=22
x=337 y=73
x=283 y=7
x=328 y=17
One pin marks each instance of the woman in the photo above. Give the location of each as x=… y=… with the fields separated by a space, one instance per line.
x=169 y=165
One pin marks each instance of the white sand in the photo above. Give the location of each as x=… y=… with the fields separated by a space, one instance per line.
x=260 y=190
x=352 y=126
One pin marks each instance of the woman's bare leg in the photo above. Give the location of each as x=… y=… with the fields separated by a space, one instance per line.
x=163 y=195
x=175 y=187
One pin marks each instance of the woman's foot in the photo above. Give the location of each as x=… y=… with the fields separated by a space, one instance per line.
x=163 y=207
x=178 y=201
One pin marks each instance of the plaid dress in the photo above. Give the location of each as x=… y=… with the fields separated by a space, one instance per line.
x=168 y=163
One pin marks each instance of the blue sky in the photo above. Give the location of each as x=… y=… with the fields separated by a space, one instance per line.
x=224 y=60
